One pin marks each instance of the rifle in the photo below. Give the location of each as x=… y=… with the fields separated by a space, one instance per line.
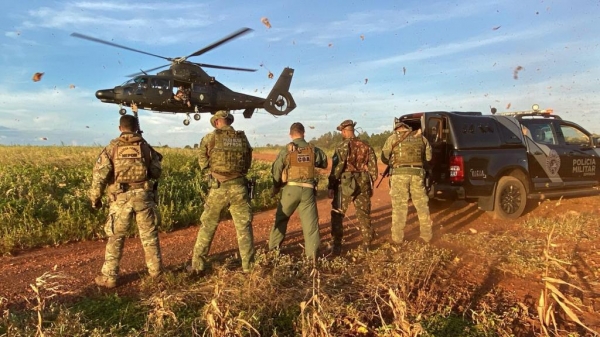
x=250 y=184
x=385 y=173
x=134 y=110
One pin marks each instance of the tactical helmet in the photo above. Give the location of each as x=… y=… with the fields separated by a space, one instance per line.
x=348 y=123
x=398 y=124
x=221 y=114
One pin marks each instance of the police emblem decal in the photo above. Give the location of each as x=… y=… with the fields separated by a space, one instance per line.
x=553 y=162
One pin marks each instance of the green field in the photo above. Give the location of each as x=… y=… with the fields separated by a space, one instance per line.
x=44 y=194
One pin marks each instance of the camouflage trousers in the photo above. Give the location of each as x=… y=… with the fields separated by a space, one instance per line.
x=404 y=187
x=303 y=199
x=139 y=203
x=362 y=205
x=234 y=194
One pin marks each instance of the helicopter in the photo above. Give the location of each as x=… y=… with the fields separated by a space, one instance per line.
x=186 y=88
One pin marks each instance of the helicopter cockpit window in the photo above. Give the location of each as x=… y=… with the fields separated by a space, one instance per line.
x=160 y=83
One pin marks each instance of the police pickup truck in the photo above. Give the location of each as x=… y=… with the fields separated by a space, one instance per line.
x=503 y=160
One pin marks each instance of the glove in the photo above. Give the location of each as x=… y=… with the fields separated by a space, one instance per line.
x=96 y=204
x=275 y=190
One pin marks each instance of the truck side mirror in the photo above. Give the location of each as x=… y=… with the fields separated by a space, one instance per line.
x=596 y=141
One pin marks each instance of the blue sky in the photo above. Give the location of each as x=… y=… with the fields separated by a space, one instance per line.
x=362 y=60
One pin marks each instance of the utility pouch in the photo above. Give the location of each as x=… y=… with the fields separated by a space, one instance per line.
x=213 y=182
x=109 y=227
x=348 y=183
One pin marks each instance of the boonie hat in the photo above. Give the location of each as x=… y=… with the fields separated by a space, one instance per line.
x=220 y=114
x=348 y=123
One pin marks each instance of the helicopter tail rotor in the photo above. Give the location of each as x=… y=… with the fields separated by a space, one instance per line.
x=280 y=101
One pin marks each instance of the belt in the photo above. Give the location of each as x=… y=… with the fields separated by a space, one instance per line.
x=132 y=186
x=413 y=166
x=307 y=185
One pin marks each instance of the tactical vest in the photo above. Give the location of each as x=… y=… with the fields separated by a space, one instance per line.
x=408 y=152
x=358 y=156
x=229 y=153
x=300 y=163
x=131 y=162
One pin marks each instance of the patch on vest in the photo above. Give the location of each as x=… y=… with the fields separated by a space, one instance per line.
x=129 y=152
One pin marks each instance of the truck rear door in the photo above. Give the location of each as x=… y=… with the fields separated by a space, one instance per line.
x=436 y=131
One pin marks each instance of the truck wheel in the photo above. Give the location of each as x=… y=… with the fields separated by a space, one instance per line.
x=510 y=199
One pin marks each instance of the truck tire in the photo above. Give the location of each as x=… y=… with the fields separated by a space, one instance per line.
x=510 y=198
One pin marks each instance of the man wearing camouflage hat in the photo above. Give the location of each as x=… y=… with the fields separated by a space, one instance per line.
x=227 y=155
x=294 y=172
x=127 y=169
x=406 y=152
x=353 y=171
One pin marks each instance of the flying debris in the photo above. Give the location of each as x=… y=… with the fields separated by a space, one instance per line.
x=404 y=70
x=508 y=106
x=72 y=86
x=366 y=80
x=516 y=72
x=310 y=126
x=362 y=37
x=270 y=74
x=37 y=77
x=266 y=22
x=43 y=138
x=496 y=28
x=330 y=45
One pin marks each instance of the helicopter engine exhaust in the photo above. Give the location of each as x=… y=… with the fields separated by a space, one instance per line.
x=280 y=101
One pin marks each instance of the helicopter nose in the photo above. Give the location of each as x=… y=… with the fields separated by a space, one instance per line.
x=105 y=95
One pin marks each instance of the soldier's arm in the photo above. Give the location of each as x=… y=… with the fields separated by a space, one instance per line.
x=155 y=169
x=386 y=151
x=249 y=154
x=277 y=168
x=428 y=152
x=102 y=174
x=336 y=170
x=204 y=155
x=372 y=165
x=320 y=158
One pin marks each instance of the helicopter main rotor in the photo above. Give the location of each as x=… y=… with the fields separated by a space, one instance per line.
x=178 y=60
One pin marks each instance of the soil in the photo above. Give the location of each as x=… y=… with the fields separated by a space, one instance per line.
x=82 y=261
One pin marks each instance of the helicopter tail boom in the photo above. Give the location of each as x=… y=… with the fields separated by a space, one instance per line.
x=280 y=101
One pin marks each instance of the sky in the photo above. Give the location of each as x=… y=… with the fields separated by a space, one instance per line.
x=369 y=61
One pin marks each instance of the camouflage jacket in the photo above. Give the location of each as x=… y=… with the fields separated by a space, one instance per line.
x=340 y=161
x=279 y=164
x=204 y=157
x=104 y=174
x=387 y=150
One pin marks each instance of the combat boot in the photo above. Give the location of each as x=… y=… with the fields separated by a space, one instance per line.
x=336 y=249
x=105 y=281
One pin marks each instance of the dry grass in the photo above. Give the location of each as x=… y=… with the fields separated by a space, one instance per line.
x=551 y=298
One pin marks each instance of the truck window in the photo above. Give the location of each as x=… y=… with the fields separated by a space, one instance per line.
x=434 y=130
x=574 y=136
x=540 y=131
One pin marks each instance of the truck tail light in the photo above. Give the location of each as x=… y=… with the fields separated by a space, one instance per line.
x=457 y=169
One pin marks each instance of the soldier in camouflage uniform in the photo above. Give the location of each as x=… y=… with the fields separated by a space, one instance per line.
x=294 y=173
x=353 y=171
x=128 y=168
x=227 y=155
x=406 y=151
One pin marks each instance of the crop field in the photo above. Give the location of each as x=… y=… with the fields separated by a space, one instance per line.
x=536 y=276
x=44 y=194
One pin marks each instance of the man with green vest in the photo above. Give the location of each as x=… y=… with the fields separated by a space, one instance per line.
x=227 y=155
x=406 y=151
x=353 y=171
x=295 y=175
